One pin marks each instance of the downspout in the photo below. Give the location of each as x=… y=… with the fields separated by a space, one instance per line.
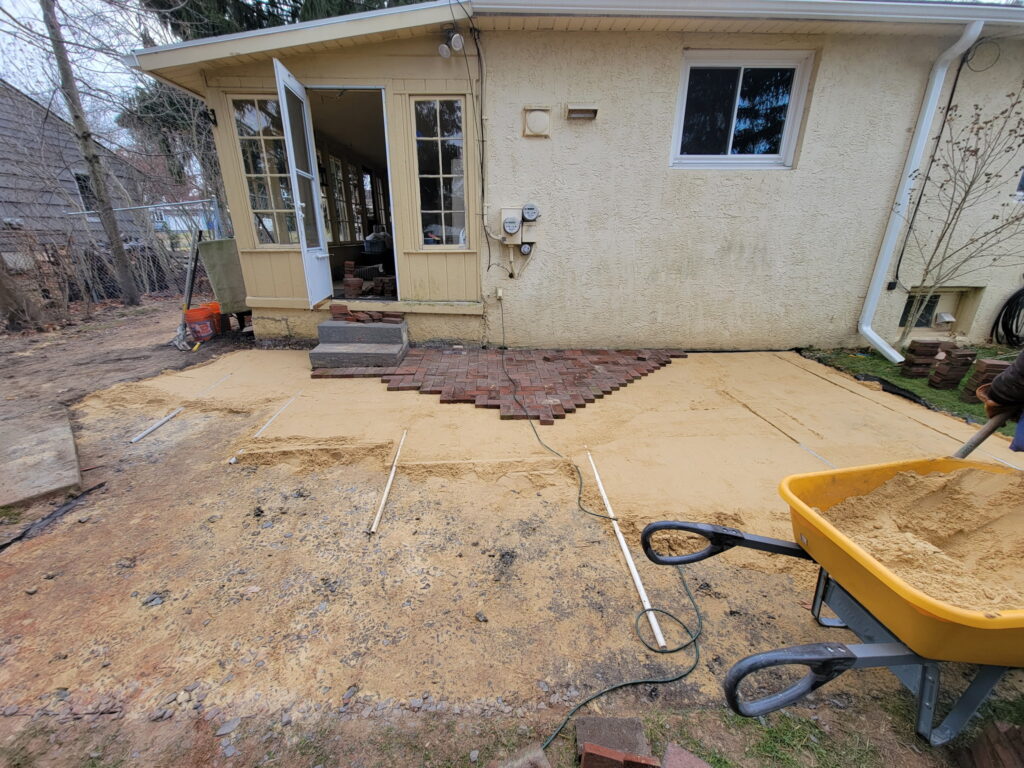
x=925 y=118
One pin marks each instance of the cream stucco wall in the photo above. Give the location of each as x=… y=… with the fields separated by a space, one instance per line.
x=996 y=69
x=631 y=252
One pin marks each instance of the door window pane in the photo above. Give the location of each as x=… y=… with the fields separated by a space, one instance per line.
x=308 y=203
x=297 y=127
x=441 y=170
x=265 y=166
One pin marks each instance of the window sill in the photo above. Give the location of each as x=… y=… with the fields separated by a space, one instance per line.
x=723 y=164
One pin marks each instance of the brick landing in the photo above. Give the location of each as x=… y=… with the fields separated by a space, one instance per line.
x=551 y=383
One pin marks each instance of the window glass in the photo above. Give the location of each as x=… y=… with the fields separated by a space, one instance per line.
x=761 y=111
x=736 y=110
x=924 y=320
x=341 y=201
x=710 y=100
x=441 y=170
x=265 y=165
x=86 y=192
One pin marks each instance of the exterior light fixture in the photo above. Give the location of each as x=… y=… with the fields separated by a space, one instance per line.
x=453 y=41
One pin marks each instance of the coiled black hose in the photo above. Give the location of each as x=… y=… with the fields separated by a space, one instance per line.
x=1008 y=327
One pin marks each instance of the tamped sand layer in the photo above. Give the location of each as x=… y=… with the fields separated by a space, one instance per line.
x=957 y=537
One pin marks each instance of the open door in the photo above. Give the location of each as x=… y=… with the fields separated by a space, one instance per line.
x=298 y=134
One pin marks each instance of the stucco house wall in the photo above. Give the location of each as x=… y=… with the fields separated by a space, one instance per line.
x=995 y=70
x=631 y=251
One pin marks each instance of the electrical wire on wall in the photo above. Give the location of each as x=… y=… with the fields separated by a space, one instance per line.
x=478 y=109
x=965 y=61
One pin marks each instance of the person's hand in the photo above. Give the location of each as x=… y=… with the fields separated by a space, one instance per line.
x=992 y=408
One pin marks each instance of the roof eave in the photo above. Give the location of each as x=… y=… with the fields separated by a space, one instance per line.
x=293 y=35
x=834 y=10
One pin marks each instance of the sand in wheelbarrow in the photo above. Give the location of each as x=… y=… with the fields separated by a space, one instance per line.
x=957 y=537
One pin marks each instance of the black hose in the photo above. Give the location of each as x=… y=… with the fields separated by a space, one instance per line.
x=1008 y=327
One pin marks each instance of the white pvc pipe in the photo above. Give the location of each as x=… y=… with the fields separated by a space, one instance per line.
x=922 y=132
x=655 y=627
x=387 y=488
x=261 y=430
x=175 y=412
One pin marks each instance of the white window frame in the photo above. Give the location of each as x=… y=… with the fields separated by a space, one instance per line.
x=801 y=61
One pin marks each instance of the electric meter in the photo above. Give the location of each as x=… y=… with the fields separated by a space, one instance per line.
x=531 y=212
x=526 y=249
x=511 y=226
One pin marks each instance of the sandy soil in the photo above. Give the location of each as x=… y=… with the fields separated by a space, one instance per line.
x=957 y=537
x=192 y=590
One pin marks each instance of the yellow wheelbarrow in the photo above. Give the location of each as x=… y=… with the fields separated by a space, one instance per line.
x=900 y=627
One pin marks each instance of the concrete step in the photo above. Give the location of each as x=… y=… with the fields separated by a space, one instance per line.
x=358 y=355
x=342 y=332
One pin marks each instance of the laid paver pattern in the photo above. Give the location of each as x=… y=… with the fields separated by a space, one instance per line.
x=548 y=383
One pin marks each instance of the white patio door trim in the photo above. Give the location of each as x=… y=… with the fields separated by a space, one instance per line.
x=315 y=260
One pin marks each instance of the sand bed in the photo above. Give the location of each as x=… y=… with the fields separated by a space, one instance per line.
x=957 y=537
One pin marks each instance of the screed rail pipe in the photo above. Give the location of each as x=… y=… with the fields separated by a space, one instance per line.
x=175 y=412
x=261 y=430
x=659 y=638
x=387 y=488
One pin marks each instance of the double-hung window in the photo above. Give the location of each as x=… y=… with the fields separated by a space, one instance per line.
x=740 y=109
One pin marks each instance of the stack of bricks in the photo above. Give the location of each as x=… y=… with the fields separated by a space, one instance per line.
x=920 y=358
x=342 y=312
x=984 y=372
x=948 y=372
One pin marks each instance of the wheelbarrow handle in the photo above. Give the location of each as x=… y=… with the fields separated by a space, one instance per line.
x=720 y=538
x=825 y=661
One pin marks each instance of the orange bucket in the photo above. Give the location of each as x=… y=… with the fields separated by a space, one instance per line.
x=200 y=323
x=217 y=317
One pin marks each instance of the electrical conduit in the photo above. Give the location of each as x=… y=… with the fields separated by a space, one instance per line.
x=925 y=118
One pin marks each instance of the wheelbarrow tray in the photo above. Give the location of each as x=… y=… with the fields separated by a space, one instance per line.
x=929 y=626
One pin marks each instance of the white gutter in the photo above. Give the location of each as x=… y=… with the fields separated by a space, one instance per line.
x=922 y=131
x=835 y=10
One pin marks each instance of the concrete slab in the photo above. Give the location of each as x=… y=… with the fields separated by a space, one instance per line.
x=37 y=456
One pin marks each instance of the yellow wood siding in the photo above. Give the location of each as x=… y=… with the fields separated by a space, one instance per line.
x=274 y=273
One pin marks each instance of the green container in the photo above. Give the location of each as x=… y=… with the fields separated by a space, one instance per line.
x=220 y=257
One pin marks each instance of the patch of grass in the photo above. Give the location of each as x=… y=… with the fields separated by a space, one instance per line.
x=312 y=745
x=793 y=742
x=947 y=400
x=9 y=515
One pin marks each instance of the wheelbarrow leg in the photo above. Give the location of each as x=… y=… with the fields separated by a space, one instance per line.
x=920 y=676
x=819 y=601
x=963 y=710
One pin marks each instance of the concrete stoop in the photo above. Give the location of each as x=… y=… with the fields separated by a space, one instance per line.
x=359 y=345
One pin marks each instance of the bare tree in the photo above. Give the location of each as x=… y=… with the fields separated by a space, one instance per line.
x=90 y=153
x=972 y=219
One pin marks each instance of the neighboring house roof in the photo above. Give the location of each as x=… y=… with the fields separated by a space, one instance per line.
x=39 y=160
x=180 y=63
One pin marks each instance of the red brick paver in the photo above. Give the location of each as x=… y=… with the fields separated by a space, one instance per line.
x=548 y=383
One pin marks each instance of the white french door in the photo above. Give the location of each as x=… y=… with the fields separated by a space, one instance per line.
x=298 y=134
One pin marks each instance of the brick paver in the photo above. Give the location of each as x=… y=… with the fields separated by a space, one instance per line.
x=548 y=383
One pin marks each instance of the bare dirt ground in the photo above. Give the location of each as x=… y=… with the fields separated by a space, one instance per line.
x=40 y=372
x=192 y=595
